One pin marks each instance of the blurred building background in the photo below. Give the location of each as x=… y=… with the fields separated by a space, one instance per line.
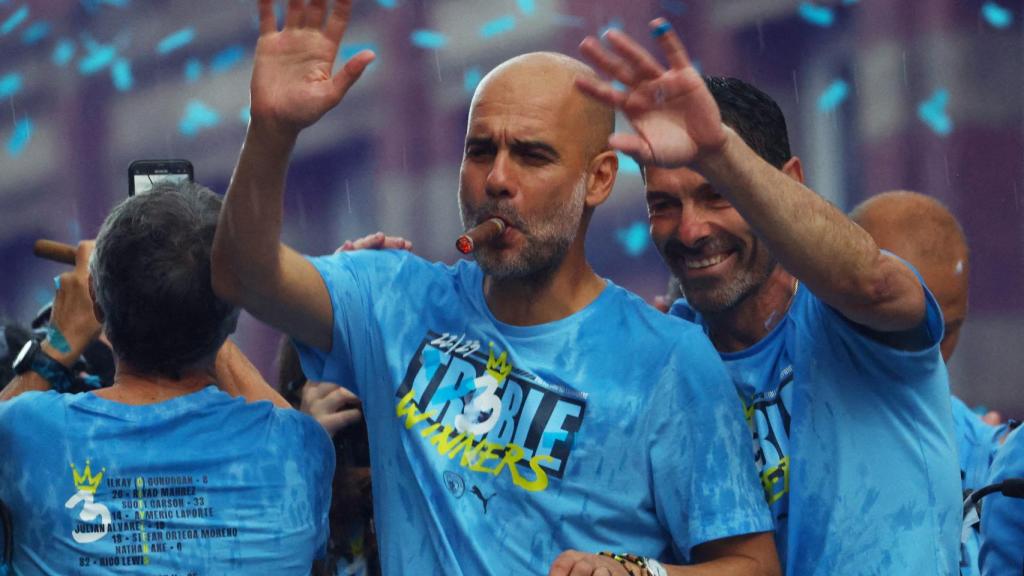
x=925 y=95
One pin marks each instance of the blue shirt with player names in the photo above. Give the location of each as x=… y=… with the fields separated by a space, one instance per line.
x=854 y=443
x=497 y=447
x=199 y=484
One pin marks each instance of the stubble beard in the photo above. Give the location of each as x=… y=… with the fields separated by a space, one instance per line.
x=548 y=237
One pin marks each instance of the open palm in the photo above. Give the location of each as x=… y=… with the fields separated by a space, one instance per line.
x=292 y=85
x=672 y=112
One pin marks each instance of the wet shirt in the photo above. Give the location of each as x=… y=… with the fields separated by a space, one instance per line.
x=854 y=443
x=496 y=447
x=1002 y=517
x=199 y=484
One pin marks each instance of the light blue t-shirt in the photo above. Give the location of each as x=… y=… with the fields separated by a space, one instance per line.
x=977 y=443
x=495 y=447
x=1002 y=517
x=854 y=442
x=199 y=484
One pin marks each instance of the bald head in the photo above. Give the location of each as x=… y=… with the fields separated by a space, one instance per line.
x=548 y=78
x=922 y=231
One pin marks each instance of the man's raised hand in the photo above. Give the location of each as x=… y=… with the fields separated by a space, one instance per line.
x=674 y=115
x=292 y=82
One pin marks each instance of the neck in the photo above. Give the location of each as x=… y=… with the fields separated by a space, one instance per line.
x=547 y=296
x=133 y=387
x=752 y=318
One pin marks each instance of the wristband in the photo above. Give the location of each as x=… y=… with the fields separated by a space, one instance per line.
x=655 y=568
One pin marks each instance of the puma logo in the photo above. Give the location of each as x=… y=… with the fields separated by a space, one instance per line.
x=476 y=492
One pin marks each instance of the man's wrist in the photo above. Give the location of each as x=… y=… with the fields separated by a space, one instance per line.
x=66 y=355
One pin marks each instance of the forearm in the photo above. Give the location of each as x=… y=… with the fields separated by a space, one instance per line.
x=731 y=566
x=236 y=375
x=27 y=382
x=836 y=259
x=246 y=249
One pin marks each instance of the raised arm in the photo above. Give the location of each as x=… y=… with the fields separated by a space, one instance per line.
x=292 y=87
x=678 y=123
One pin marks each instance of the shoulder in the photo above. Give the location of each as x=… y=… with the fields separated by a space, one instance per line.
x=1009 y=461
x=399 y=266
x=34 y=404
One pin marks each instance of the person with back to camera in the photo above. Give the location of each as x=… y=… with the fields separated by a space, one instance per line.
x=164 y=471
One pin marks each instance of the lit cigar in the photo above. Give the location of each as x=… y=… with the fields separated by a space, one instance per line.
x=480 y=234
x=56 y=251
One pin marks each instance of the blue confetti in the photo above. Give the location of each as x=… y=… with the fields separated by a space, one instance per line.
x=121 y=73
x=193 y=70
x=10 y=84
x=996 y=15
x=635 y=239
x=34 y=33
x=63 y=52
x=818 y=15
x=849 y=2
x=526 y=6
x=674 y=7
x=933 y=113
x=175 y=40
x=350 y=50
x=627 y=165
x=20 y=138
x=97 y=59
x=429 y=39
x=198 y=116
x=569 y=21
x=498 y=27
x=245 y=114
x=614 y=24
x=833 y=96
x=14 y=20
x=226 y=58
x=389 y=4
x=470 y=78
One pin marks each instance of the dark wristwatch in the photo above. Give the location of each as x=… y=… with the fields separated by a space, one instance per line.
x=33 y=358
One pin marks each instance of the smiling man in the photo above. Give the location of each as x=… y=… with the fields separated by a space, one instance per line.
x=508 y=423
x=832 y=344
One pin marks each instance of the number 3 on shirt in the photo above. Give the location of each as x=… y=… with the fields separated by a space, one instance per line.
x=482 y=402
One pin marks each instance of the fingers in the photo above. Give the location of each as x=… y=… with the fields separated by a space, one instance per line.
x=337 y=22
x=268 y=23
x=352 y=70
x=600 y=91
x=376 y=241
x=82 y=255
x=644 y=65
x=337 y=421
x=293 y=14
x=670 y=43
x=339 y=398
x=313 y=16
x=607 y=62
x=632 y=145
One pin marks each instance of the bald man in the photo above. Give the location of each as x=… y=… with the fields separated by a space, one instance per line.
x=925 y=233
x=523 y=412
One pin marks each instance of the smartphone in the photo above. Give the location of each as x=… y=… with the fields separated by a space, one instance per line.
x=144 y=174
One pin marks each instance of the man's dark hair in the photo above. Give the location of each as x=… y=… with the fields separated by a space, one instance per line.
x=754 y=116
x=151 y=276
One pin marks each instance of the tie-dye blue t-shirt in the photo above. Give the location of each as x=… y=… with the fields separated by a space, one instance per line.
x=199 y=484
x=1002 y=517
x=854 y=441
x=496 y=447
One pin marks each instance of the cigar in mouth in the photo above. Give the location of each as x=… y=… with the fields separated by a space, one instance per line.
x=55 y=251
x=480 y=234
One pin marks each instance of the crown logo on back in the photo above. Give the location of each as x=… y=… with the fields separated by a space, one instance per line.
x=85 y=481
x=498 y=368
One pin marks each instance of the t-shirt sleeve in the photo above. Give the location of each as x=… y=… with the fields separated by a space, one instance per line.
x=923 y=337
x=354 y=281
x=705 y=483
x=1002 y=518
x=318 y=464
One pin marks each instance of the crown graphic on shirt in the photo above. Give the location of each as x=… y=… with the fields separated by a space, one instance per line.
x=85 y=481
x=500 y=367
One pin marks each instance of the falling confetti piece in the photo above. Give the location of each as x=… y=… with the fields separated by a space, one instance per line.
x=627 y=165
x=99 y=57
x=20 y=138
x=822 y=16
x=933 y=113
x=634 y=239
x=833 y=96
x=175 y=40
x=226 y=59
x=14 y=20
x=526 y=6
x=470 y=78
x=35 y=33
x=10 y=84
x=198 y=116
x=193 y=70
x=429 y=39
x=498 y=27
x=63 y=52
x=121 y=73
x=996 y=15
